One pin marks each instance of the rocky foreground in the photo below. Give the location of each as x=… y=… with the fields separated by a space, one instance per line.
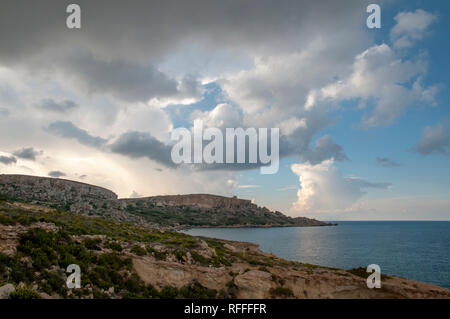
x=125 y=260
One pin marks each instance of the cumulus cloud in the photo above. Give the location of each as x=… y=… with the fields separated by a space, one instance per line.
x=28 y=153
x=323 y=188
x=386 y=162
x=7 y=160
x=434 y=140
x=142 y=144
x=69 y=130
x=411 y=27
x=135 y=195
x=222 y=116
x=381 y=77
x=325 y=149
x=56 y=174
x=57 y=106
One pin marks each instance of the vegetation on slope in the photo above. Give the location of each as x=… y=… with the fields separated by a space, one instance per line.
x=103 y=250
x=216 y=217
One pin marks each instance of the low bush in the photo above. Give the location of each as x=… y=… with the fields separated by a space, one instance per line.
x=24 y=293
x=281 y=292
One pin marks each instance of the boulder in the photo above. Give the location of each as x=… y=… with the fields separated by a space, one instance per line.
x=6 y=290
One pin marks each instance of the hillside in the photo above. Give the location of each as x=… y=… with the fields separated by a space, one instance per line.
x=181 y=211
x=124 y=260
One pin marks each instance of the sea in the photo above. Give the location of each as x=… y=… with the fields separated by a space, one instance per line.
x=417 y=250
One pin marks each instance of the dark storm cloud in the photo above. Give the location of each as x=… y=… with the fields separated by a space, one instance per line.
x=141 y=144
x=130 y=144
x=69 y=130
x=7 y=160
x=325 y=149
x=28 y=153
x=128 y=81
x=56 y=174
x=386 y=162
x=57 y=106
x=142 y=29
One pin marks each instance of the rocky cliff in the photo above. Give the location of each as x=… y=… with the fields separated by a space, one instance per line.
x=122 y=260
x=48 y=190
x=197 y=200
x=200 y=210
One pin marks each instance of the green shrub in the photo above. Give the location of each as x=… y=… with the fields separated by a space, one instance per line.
x=200 y=259
x=168 y=292
x=179 y=255
x=24 y=293
x=135 y=285
x=281 y=292
x=114 y=246
x=53 y=283
x=92 y=243
x=138 y=250
x=197 y=291
x=157 y=254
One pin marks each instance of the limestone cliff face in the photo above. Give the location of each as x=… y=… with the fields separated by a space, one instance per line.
x=51 y=190
x=195 y=200
x=201 y=210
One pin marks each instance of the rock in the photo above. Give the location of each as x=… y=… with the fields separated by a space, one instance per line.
x=111 y=290
x=230 y=247
x=254 y=284
x=6 y=290
x=45 y=296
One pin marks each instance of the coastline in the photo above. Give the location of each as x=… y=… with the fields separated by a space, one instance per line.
x=188 y=227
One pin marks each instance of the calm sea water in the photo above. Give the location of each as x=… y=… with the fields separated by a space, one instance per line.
x=412 y=249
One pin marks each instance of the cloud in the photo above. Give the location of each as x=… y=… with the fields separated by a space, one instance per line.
x=69 y=130
x=135 y=195
x=132 y=144
x=28 y=153
x=325 y=149
x=324 y=189
x=273 y=62
x=249 y=186
x=141 y=144
x=434 y=140
x=4 y=111
x=150 y=29
x=56 y=174
x=410 y=27
x=222 y=116
x=7 y=160
x=379 y=77
x=129 y=81
x=287 y=188
x=57 y=106
x=361 y=183
x=386 y=162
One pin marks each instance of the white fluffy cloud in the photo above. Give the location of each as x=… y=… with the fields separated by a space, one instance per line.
x=411 y=27
x=323 y=189
x=381 y=77
x=222 y=116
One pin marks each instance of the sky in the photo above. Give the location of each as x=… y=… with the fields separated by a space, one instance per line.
x=363 y=113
